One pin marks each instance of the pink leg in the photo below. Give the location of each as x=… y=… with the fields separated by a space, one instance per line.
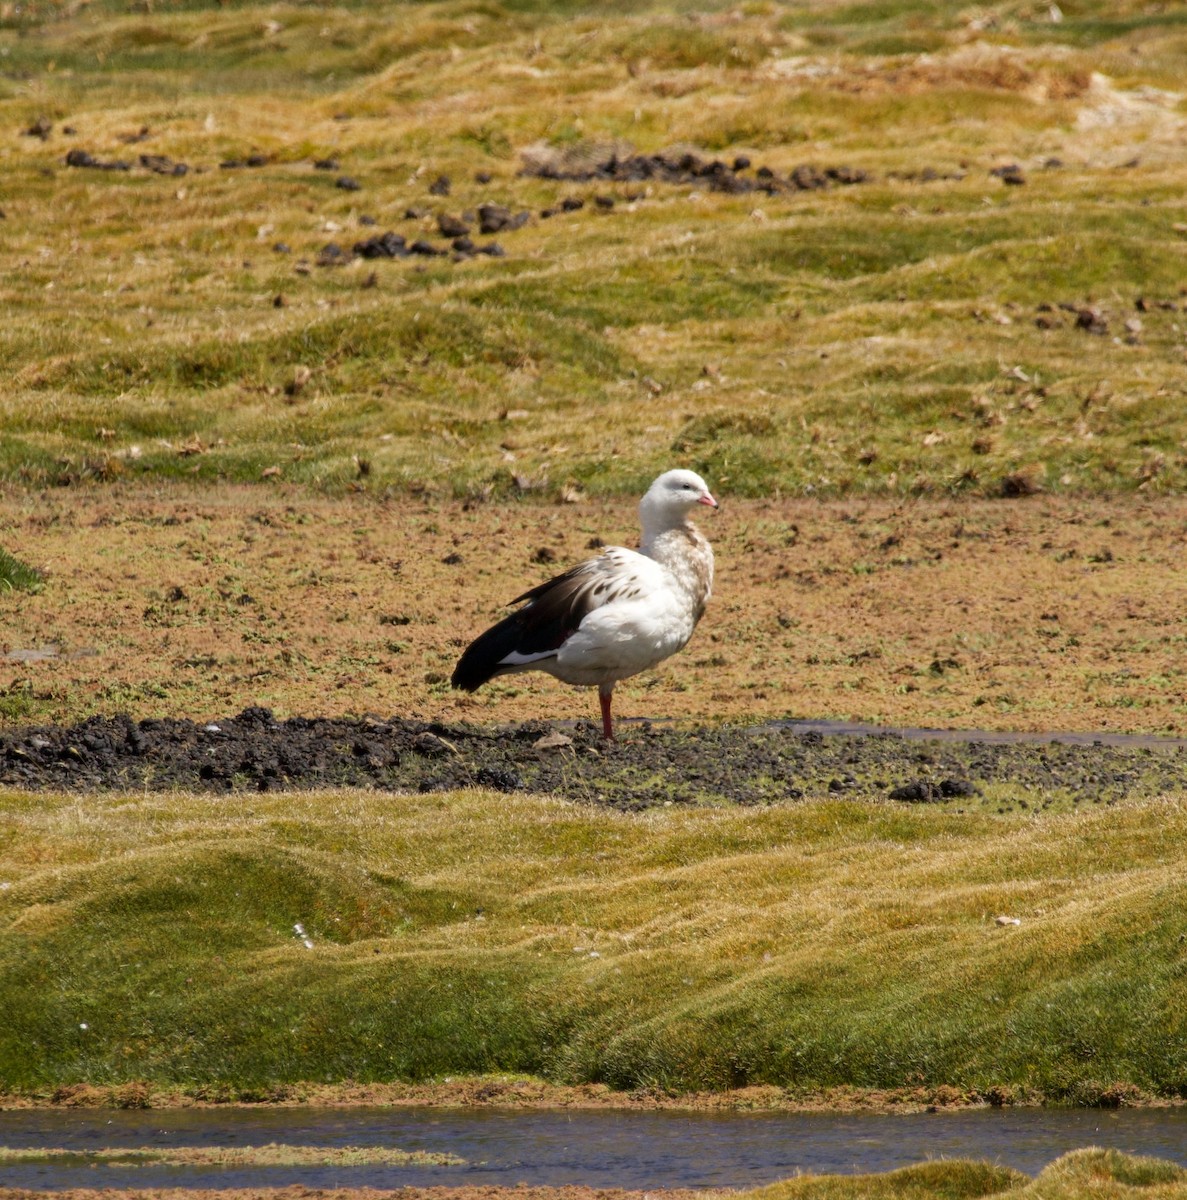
x=604 y=694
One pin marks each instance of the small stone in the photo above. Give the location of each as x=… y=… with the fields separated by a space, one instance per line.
x=552 y=741
x=451 y=227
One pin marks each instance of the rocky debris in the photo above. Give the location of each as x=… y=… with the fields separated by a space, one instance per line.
x=325 y=164
x=649 y=766
x=1092 y=320
x=159 y=164
x=41 y=128
x=927 y=175
x=347 y=183
x=440 y=186
x=451 y=226
x=82 y=158
x=1011 y=174
x=332 y=255
x=683 y=168
x=386 y=245
x=927 y=791
x=495 y=218
x=238 y=164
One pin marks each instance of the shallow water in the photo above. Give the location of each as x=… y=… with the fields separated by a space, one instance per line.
x=993 y=737
x=599 y=1148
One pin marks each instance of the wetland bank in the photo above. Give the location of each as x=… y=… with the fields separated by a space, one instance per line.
x=901 y=281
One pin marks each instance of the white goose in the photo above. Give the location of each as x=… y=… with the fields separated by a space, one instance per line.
x=612 y=616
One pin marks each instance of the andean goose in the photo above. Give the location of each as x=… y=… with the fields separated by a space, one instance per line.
x=611 y=616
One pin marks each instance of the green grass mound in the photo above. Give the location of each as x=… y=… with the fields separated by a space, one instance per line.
x=189 y=941
x=1102 y=1174
x=17 y=576
x=958 y=1180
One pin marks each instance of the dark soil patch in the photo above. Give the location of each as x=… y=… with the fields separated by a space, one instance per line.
x=651 y=765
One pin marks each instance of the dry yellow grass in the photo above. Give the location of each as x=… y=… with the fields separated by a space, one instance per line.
x=873 y=339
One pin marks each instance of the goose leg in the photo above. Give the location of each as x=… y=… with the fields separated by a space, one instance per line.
x=604 y=694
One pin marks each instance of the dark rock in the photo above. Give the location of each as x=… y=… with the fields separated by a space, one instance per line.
x=325 y=164
x=950 y=788
x=922 y=791
x=430 y=745
x=440 y=186
x=159 y=164
x=492 y=217
x=80 y=158
x=347 y=184
x=386 y=245
x=1093 y=321
x=332 y=255
x=451 y=227
x=499 y=779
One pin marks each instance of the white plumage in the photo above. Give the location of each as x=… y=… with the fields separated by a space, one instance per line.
x=612 y=616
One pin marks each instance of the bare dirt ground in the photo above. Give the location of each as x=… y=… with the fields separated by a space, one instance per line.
x=1028 y=614
x=253 y=641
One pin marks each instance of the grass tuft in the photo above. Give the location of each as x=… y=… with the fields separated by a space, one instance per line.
x=18 y=576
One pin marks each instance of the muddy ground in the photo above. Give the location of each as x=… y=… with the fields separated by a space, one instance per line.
x=249 y=639
x=649 y=765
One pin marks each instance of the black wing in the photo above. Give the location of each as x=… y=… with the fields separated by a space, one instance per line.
x=534 y=633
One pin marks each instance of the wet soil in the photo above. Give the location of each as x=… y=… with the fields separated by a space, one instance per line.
x=649 y=765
